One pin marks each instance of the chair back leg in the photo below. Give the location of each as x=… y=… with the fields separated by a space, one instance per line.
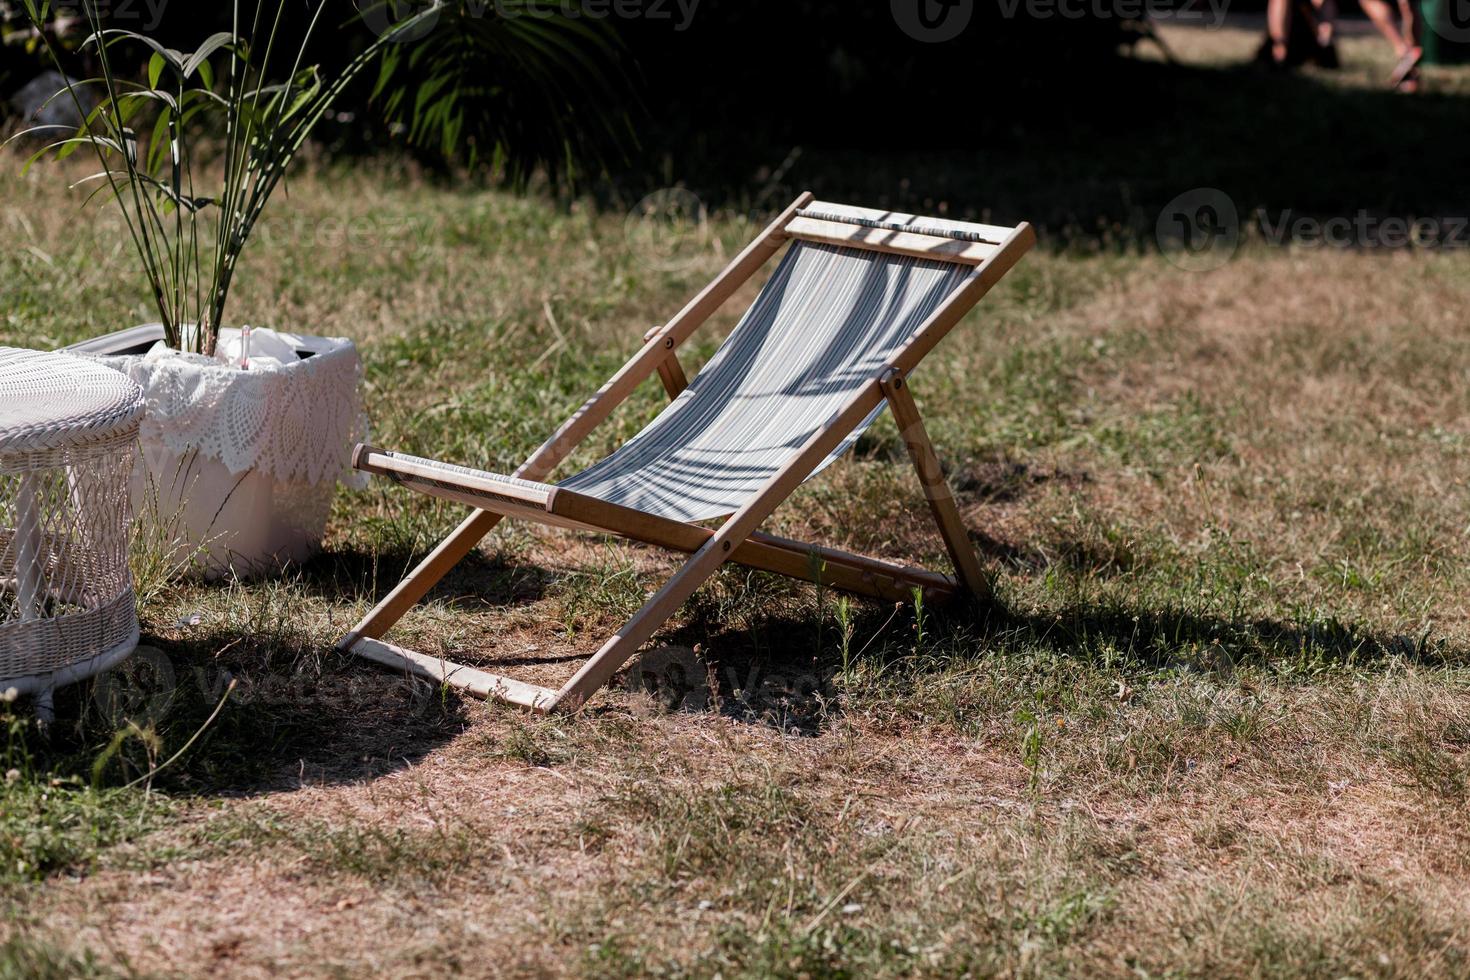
x=936 y=488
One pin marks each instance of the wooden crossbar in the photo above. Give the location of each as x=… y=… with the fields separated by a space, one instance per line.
x=477 y=682
x=890 y=241
x=811 y=563
x=372 y=460
x=578 y=512
x=898 y=221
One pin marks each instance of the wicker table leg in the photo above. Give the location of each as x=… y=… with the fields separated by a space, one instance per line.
x=44 y=704
x=28 y=571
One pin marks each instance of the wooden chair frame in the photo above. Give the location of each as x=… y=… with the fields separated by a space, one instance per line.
x=737 y=538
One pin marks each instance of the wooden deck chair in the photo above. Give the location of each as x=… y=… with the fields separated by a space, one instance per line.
x=858 y=300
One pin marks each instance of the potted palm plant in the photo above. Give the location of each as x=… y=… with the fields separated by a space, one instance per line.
x=246 y=431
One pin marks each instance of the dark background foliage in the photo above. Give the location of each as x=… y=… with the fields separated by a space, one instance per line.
x=747 y=101
x=563 y=90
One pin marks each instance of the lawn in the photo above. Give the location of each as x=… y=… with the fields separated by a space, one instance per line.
x=1217 y=721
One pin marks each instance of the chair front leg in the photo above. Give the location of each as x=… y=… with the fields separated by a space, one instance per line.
x=704 y=562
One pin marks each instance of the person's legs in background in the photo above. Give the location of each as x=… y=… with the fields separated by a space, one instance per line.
x=1326 y=21
x=1298 y=31
x=1326 y=34
x=1413 y=34
x=1405 y=43
x=1278 y=28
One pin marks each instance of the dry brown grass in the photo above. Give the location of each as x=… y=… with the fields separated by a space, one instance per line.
x=700 y=844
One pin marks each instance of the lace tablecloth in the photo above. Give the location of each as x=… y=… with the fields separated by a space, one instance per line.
x=295 y=421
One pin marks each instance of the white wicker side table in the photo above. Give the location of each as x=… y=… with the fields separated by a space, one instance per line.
x=67 y=434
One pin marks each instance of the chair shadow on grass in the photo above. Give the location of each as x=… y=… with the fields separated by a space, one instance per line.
x=785 y=670
x=298 y=713
x=479 y=581
x=272 y=711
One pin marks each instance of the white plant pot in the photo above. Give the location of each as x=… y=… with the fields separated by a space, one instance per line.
x=238 y=472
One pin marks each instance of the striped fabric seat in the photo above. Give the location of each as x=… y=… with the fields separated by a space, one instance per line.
x=825 y=324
